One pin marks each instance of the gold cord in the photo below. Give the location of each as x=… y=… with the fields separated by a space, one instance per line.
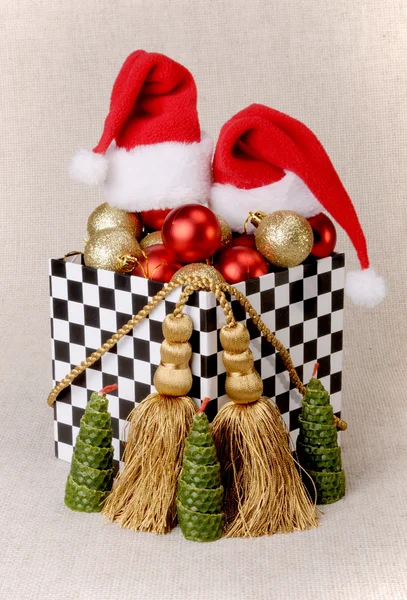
x=192 y=284
x=201 y=283
x=270 y=337
x=219 y=290
x=111 y=342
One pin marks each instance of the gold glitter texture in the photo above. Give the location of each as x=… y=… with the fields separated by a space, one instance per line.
x=226 y=233
x=151 y=239
x=199 y=270
x=283 y=237
x=113 y=250
x=107 y=217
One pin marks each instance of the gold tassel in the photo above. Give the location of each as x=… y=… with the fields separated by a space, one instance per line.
x=264 y=493
x=143 y=496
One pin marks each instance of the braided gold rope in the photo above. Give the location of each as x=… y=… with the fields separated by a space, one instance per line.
x=197 y=283
x=270 y=337
x=201 y=283
x=111 y=342
x=191 y=284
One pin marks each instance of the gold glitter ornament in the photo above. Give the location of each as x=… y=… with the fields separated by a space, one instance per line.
x=113 y=250
x=226 y=232
x=107 y=217
x=199 y=270
x=283 y=237
x=151 y=239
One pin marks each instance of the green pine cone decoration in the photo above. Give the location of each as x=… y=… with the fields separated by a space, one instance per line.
x=317 y=445
x=200 y=493
x=200 y=499
x=206 y=476
x=92 y=456
x=91 y=476
x=317 y=414
x=201 y=455
x=330 y=487
x=316 y=393
x=99 y=420
x=94 y=479
x=81 y=498
x=95 y=436
x=319 y=458
x=199 y=527
x=316 y=434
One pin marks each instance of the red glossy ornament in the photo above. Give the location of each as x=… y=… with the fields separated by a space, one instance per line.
x=241 y=263
x=154 y=218
x=157 y=264
x=192 y=233
x=244 y=240
x=324 y=235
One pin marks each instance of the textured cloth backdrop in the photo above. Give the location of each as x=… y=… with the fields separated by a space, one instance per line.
x=341 y=68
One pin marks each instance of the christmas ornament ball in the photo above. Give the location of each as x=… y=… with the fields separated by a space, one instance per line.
x=324 y=235
x=200 y=270
x=157 y=264
x=244 y=240
x=283 y=237
x=192 y=233
x=226 y=233
x=151 y=239
x=107 y=217
x=112 y=249
x=241 y=263
x=154 y=219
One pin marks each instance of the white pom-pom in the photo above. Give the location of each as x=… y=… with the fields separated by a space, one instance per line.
x=365 y=288
x=88 y=167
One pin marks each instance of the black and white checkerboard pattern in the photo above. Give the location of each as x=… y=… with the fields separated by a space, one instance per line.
x=302 y=305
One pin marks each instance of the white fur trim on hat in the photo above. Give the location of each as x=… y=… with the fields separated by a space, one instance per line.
x=289 y=193
x=159 y=176
x=88 y=167
x=365 y=287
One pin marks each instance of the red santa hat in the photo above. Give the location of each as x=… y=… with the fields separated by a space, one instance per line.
x=152 y=153
x=267 y=161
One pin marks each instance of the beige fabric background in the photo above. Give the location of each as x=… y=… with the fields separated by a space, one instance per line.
x=341 y=68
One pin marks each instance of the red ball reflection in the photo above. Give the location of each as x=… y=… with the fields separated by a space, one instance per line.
x=157 y=264
x=241 y=263
x=154 y=218
x=324 y=235
x=244 y=240
x=192 y=233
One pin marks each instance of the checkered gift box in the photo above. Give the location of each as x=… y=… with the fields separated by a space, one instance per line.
x=302 y=305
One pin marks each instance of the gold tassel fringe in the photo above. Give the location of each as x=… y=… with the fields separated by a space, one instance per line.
x=264 y=493
x=143 y=496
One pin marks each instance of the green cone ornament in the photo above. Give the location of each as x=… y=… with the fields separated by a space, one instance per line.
x=200 y=494
x=317 y=444
x=91 y=475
